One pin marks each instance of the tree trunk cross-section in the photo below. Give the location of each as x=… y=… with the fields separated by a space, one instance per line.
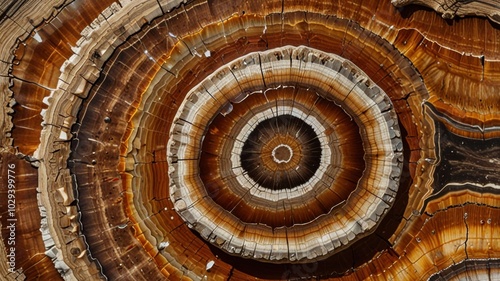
x=242 y=140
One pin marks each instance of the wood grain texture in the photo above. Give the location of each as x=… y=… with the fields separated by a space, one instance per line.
x=455 y=8
x=90 y=90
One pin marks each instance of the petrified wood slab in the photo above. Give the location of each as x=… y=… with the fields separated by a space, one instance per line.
x=233 y=140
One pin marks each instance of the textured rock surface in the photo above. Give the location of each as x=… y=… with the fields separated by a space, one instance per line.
x=458 y=8
x=119 y=116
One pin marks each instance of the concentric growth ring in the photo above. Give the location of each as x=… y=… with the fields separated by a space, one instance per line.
x=285 y=155
x=281 y=152
x=287 y=200
x=257 y=163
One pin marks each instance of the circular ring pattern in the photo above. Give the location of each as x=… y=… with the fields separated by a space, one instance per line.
x=296 y=132
x=282 y=153
x=105 y=80
x=334 y=79
x=282 y=207
x=266 y=153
